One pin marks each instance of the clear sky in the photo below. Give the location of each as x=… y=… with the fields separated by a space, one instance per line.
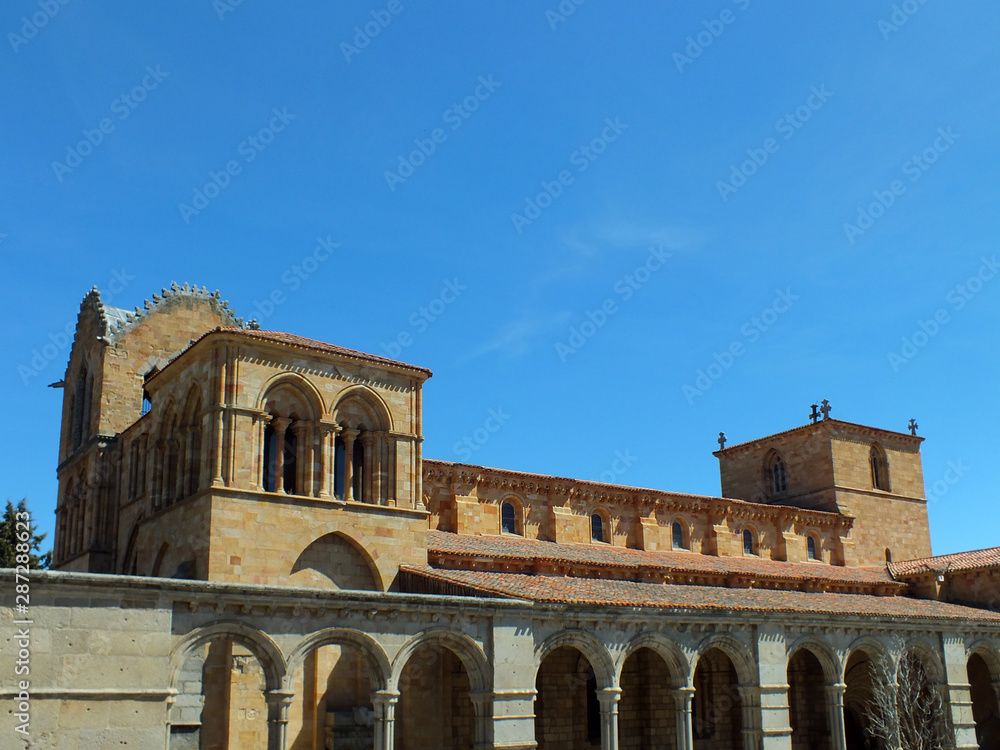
x=616 y=230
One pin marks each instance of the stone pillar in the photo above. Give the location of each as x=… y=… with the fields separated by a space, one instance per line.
x=766 y=722
x=349 y=436
x=278 y=702
x=384 y=703
x=280 y=425
x=378 y=464
x=683 y=698
x=482 y=703
x=835 y=704
x=327 y=447
x=217 y=480
x=261 y=421
x=608 y=698
x=996 y=689
x=159 y=452
x=957 y=693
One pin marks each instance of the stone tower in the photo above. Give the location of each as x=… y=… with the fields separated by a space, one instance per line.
x=870 y=474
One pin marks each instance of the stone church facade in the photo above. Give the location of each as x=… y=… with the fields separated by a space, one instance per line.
x=252 y=551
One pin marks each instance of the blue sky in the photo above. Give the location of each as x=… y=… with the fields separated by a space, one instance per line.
x=621 y=229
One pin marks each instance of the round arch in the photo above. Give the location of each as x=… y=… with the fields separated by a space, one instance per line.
x=989 y=652
x=668 y=650
x=370 y=401
x=929 y=658
x=736 y=650
x=357 y=541
x=824 y=653
x=379 y=668
x=303 y=387
x=467 y=650
x=596 y=652
x=264 y=649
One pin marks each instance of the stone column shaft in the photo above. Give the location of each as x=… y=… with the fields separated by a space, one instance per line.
x=384 y=702
x=835 y=703
x=280 y=426
x=608 y=698
x=683 y=698
x=349 y=437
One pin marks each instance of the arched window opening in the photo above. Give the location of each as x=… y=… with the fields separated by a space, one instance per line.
x=597 y=527
x=879 y=468
x=508 y=518
x=811 y=547
x=358 y=472
x=678 y=534
x=147 y=403
x=749 y=542
x=170 y=484
x=289 y=470
x=339 y=467
x=270 y=459
x=776 y=474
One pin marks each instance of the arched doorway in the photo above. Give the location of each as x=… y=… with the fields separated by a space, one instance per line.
x=808 y=702
x=717 y=709
x=333 y=700
x=435 y=710
x=858 y=697
x=985 y=708
x=647 y=719
x=567 y=712
x=220 y=702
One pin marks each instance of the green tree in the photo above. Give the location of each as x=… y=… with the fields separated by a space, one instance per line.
x=11 y=535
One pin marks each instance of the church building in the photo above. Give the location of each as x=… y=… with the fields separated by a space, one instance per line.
x=252 y=551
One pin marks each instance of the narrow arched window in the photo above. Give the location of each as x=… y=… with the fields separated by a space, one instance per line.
x=749 y=543
x=879 y=467
x=339 y=467
x=597 y=527
x=147 y=403
x=811 y=547
x=678 y=534
x=270 y=459
x=508 y=518
x=776 y=474
x=290 y=467
x=358 y=472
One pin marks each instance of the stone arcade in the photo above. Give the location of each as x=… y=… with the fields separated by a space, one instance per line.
x=252 y=552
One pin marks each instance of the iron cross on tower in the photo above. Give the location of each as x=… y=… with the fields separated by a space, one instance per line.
x=826 y=409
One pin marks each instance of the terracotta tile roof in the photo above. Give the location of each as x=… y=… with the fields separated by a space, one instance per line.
x=587 y=591
x=320 y=346
x=444 y=546
x=953 y=563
